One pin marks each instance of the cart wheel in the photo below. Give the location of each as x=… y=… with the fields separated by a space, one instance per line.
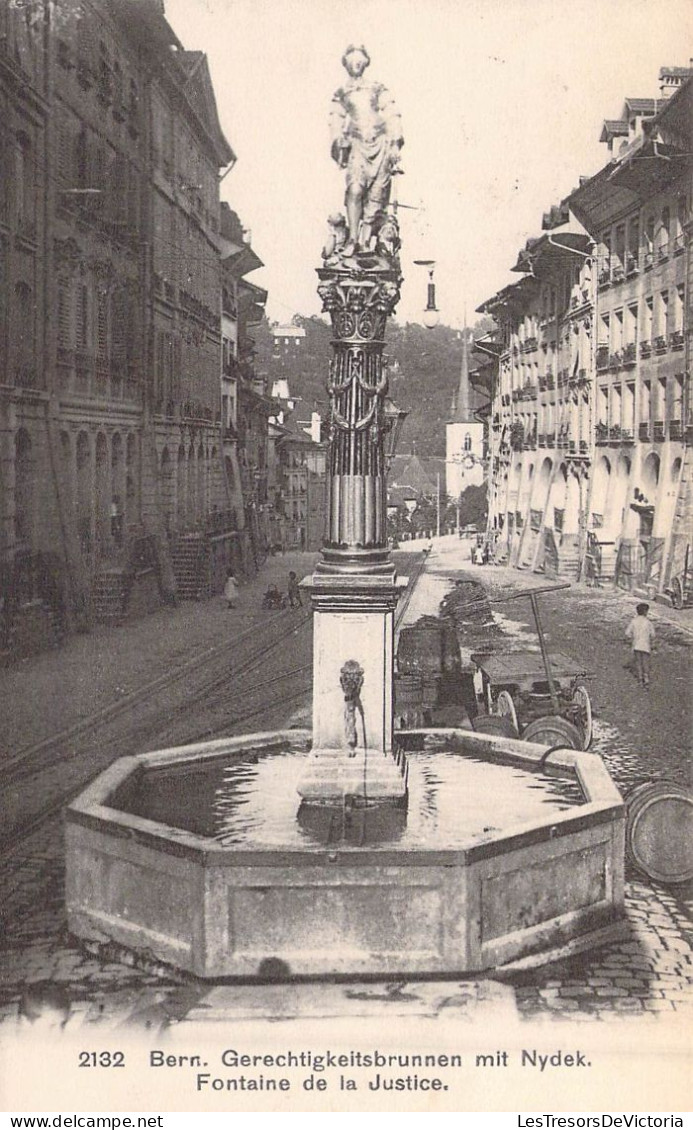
x=677 y=593
x=505 y=706
x=581 y=700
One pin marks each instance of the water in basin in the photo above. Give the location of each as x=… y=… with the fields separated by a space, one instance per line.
x=251 y=801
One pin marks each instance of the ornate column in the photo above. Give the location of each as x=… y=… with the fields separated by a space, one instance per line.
x=354 y=589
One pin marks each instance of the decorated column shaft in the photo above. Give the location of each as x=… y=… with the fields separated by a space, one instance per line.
x=356 y=514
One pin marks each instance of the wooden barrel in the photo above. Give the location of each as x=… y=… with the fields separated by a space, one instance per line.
x=428 y=648
x=498 y=724
x=408 y=691
x=551 y=730
x=659 y=831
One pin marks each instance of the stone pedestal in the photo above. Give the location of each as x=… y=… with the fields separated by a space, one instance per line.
x=353 y=624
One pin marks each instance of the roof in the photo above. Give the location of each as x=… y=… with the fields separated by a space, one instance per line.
x=199 y=93
x=417 y=473
x=288 y=331
x=398 y=496
x=515 y=294
x=678 y=72
x=554 y=244
x=556 y=216
x=640 y=105
x=614 y=127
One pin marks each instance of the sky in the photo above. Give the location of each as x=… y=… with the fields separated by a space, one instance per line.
x=502 y=103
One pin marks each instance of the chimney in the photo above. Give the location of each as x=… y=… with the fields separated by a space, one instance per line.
x=671 y=78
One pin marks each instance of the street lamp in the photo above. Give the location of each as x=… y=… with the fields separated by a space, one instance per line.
x=431 y=316
x=394 y=421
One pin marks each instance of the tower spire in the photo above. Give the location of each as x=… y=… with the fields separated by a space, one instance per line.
x=461 y=413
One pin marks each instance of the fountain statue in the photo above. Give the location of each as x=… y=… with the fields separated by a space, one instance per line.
x=472 y=852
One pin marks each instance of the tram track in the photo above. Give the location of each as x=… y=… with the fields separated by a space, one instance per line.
x=19 y=765
x=207 y=695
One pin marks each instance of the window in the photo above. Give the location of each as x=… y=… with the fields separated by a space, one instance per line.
x=662 y=314
x=82 y=160
x=620 y=247
x=23 y=486
x=661 y=406
x=64 y=314
x=24 y=167
x=82 y=318
x=677 y=310
x=633 y=244
x=102 y=327
x=664 y=233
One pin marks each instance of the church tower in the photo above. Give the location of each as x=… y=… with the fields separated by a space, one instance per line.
x=464 y=436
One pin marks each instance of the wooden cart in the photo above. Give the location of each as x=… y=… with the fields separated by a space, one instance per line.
x=543 y=695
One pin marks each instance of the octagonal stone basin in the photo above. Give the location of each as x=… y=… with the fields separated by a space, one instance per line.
x=173 y=853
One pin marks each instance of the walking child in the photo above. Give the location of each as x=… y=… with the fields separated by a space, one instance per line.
x=640 y=632
x=231 y=589
x=294 y=591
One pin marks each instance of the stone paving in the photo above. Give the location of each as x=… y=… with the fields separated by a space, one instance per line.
x=46 y=977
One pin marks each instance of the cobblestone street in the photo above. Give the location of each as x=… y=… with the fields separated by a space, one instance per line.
x=45 y=973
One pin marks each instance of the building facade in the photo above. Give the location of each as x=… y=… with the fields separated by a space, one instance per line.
x=591 y=418
x=112 y=471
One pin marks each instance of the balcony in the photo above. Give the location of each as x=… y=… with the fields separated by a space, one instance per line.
x=626 y=435
x=658 y=431
x=644 y=431
x=660 y=344
x=675 y=429
x=602 y=357
x=602 y=434
x=631 y=265
x=572 y=446
x=648 y=261
x=630 y=353
x=615 y=360
x=583 y=447
x=645 y=348
x=604 y=277
x=676 y=340
x=618 y=274
x=529 y=345
x=541 y=440
x=663 y=253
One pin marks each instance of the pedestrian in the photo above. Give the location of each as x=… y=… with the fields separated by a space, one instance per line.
x=295 y=600
x=231 y=589
x=640 y=632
